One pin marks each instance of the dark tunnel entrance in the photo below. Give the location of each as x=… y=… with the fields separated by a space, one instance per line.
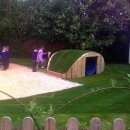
x=90 y=66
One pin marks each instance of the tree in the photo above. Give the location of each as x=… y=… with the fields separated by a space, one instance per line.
x=86 y=24
x=92 y=23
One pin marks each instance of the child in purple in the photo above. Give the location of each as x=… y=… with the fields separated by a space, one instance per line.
x=34 y=57
x=4 y=58
x=40 y=57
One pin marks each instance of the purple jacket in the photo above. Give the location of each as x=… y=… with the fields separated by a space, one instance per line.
x=34 y=54
x=3 y=54
x=8 y=54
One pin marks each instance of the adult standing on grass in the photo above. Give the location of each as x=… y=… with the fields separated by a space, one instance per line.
x=34 y=57
x=40 y=57
x=8 y=55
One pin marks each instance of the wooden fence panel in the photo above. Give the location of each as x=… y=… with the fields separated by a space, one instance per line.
x=72 y=124
x=95 y=124
x=27 y=123
x=119 y=124
x=6 y=123
x=50 y=124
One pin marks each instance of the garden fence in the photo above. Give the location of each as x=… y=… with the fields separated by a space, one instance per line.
x=72 y=124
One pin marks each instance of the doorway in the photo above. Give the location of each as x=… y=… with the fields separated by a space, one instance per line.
x=90 y=66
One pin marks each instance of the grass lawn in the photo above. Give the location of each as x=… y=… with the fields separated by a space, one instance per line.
x=106 y=105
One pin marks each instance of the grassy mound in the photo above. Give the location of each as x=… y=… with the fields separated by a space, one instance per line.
x=64 y=59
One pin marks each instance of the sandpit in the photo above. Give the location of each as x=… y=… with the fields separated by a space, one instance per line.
x=19 y=81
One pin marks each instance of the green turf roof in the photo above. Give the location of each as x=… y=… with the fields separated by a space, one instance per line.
x=64 y=59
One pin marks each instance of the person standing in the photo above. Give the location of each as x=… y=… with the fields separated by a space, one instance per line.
x=40 y=57
x=46 y=57
x=8 y=55
x=4 y=58
x=34 y=57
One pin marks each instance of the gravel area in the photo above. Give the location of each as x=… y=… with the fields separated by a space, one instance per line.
x=20 y=81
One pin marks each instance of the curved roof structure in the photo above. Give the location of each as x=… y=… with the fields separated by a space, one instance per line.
x=75 y=63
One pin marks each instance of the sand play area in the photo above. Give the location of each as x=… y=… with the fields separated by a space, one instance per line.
x=20 y=81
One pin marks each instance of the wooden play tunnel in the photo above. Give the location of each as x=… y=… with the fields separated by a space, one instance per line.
x=88 y=64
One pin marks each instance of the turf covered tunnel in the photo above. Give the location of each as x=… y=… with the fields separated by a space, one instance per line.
x=75 y=63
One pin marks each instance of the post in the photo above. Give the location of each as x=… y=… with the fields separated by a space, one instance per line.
x=6 y=123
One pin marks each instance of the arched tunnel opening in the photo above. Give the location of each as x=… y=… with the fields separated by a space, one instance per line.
x=90 y=66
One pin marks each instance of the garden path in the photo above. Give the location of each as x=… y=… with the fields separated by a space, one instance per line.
x=19 y=81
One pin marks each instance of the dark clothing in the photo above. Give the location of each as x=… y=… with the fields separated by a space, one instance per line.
x=45 y=56
x=34 y=54
x=34 y=66
x=5 y=64
x=8 y=54
x=8 y=57
x=4 y=59
x=3 y=54
x=34 y=57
